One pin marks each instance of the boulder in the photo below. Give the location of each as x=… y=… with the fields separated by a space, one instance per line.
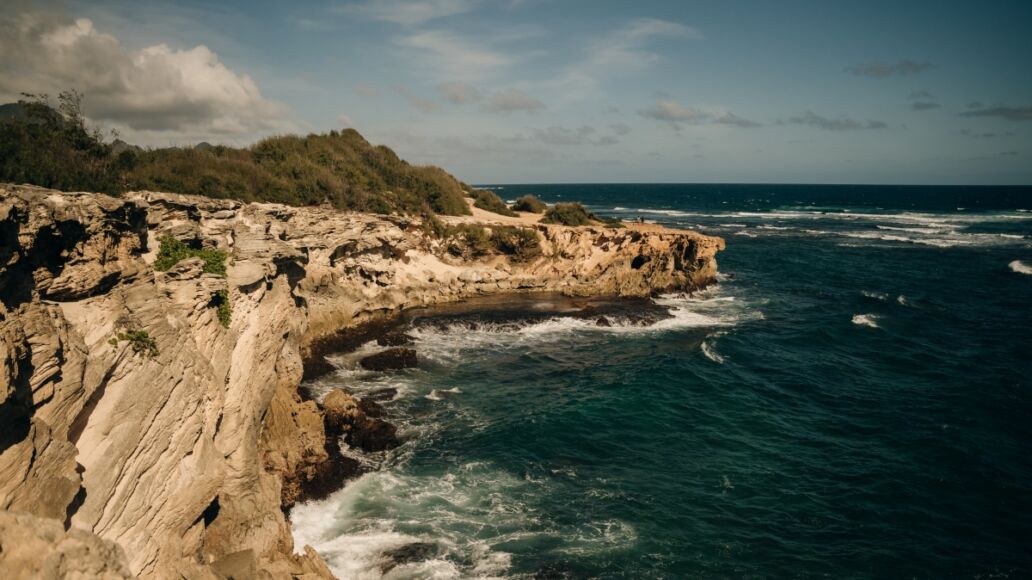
x=390 y=359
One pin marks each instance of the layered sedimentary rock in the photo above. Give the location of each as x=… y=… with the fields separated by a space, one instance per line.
x=132 y=419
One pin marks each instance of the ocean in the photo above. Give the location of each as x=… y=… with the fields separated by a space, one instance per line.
x=851 y=400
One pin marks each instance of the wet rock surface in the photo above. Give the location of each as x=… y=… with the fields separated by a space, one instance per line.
x=390 y=359
x=136 y=446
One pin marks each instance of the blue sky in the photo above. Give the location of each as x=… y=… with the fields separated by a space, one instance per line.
x=564 y=90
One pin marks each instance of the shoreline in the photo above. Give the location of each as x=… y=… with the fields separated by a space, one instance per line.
x=238 y=436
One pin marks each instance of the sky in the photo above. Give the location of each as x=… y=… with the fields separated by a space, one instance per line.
x=548 y=91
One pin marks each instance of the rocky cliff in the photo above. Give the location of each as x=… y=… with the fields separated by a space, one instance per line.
x=150 y=421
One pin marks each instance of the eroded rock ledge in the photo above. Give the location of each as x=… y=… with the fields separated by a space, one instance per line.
x=176 y=460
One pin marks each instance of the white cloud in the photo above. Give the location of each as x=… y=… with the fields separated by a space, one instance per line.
x=511 y=100
x=452 y=56
x=670 y=111
x=419 y=103
x=459 y=93
x=156 y=90
x=625 y=47
x=407 y=12
x=345 y=120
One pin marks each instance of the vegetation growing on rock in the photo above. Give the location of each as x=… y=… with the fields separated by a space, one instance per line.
x=139 y=341
x=224 y=308
x=529 y=203
x=173 y=251
x=52 y=146
x=568 y=214
x=520 y=243
x=489 y=201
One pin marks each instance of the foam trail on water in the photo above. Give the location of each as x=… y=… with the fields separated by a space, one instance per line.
x=1020 y=267
x=865 y=320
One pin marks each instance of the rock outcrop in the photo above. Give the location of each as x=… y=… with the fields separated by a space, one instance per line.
x=134 y=424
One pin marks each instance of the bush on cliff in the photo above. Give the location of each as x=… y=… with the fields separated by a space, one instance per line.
x=139 y=341
x=51 y=146
x=223 y=307
x=520 y=243
x=489 y=201
x=568 y=214
x=173 y=251
x=469 y=240
x=529 y=203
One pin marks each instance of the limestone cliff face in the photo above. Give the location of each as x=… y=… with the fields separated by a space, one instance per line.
x=182 y=458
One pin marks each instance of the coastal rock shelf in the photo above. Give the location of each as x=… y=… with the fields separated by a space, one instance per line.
x=158 y=436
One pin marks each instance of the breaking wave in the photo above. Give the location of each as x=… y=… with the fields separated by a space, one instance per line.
x=1020 y=267
x=869 y=320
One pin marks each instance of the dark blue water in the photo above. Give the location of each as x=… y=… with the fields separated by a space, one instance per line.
x=851 y=400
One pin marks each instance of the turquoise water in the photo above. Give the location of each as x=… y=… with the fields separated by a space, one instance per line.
x=852 y=399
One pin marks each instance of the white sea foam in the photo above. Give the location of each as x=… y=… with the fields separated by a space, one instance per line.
x=710 y=352
x=902 y=300
x=440 y=394
x=865 y=320
x=876 y=295
x=1020 y=267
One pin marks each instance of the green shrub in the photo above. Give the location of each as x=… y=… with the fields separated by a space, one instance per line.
x=529 y=203
x=224 y=307
x=173 y=251
x=611 y=222
x=433 y=226
x=474 y=239
x=489 y=201
x=52 y=146
x=520 y=243
x=139 y=341
x=568 y=214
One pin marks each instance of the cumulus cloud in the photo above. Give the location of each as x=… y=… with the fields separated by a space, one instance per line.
x=881 y=70
x=406 y=12
x=672 y=112
x=459 y=93
x=839 y=124
x=512 y=100
x=1000 y=112
x=156 y=89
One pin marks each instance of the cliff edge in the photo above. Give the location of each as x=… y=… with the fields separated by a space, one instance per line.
x=150 y=421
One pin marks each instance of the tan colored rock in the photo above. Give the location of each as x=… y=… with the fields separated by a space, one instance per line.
x=38 y=548
x=187 y=457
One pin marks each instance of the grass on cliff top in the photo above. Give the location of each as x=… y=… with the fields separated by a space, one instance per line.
x=51 y=146
x=173 y=251
x=474 y=240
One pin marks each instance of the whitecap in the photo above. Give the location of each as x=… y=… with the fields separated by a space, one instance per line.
x=711 y=353
x=876 y=295
x=902 y=300
x=440 y=394
x=865 y=320
x=1020 y=267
